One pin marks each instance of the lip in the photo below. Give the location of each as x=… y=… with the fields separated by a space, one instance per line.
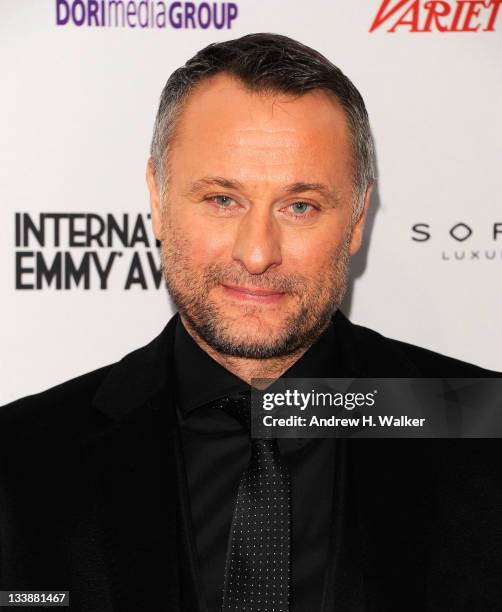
x=253 y=294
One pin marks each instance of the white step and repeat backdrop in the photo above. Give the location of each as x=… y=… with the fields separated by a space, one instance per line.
x=80 y=85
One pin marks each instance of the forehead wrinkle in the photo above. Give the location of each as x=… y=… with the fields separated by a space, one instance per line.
x=257 y=142
x=267 y=131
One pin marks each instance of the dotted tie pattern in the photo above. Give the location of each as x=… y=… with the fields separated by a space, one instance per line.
x=257 y=572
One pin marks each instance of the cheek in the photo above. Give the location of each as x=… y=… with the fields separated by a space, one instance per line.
x=310 y=253
x=202 y=243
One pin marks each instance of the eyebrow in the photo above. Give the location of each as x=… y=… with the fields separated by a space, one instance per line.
x=320 y=188
x=209 y=181
x=293 y=189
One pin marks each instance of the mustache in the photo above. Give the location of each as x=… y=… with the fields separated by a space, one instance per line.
x=217 y=274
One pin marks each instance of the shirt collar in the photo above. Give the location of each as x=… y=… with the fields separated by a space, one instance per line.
x=200 y=379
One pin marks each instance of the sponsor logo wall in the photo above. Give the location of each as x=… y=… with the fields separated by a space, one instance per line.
x=79 y=265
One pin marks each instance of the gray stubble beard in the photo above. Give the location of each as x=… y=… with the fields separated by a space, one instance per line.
x=299 y=330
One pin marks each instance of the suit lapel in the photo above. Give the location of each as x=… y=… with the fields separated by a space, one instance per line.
x=191 y=588
x=344 y=585
x=382 y=498
x=136 y=458
x=136 y=486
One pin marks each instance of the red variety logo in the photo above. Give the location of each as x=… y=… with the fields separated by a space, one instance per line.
x=437 y=16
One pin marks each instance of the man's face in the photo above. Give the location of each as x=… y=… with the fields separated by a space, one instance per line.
x=256 y=225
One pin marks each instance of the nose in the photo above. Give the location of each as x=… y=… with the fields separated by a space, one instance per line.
x=257 y=242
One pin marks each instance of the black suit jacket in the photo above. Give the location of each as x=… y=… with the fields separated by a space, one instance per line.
x=93 y=497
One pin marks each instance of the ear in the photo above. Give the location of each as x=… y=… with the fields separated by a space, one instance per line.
x=155 y=203
x=357 y=231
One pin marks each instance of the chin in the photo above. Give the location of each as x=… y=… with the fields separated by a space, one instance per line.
x=254 y=327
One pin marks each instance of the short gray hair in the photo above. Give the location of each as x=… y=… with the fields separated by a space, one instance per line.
x=268 y=63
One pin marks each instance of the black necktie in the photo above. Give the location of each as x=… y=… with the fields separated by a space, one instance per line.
x=257 y=570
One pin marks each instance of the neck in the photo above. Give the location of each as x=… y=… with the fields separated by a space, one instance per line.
x=245 y=368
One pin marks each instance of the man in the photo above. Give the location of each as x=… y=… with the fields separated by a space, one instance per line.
x=136 y=486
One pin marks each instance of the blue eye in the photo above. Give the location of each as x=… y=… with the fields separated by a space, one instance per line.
x=223 y=200
x=300 y=207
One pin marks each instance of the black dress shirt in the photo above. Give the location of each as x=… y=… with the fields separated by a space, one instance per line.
x=216 y=451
